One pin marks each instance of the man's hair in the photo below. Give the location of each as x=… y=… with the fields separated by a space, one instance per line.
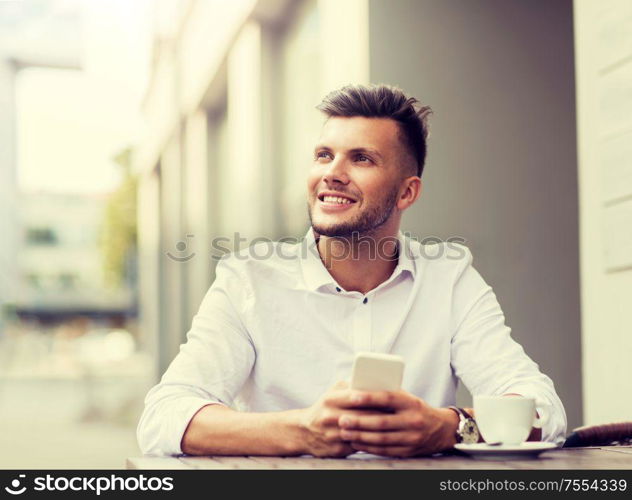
x=384 y=101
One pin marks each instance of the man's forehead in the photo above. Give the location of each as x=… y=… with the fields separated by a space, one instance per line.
x=360 y=132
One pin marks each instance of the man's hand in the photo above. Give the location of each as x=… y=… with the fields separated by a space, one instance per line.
x=412 y=428
x=320 y=422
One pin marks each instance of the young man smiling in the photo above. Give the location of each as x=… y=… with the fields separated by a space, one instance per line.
x=257 y=375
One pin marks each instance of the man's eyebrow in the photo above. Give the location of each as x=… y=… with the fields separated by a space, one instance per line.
x=370 y=151
x=318 y=147
x=366 y=150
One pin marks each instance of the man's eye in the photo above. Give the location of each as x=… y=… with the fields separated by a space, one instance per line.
x=323 y=155
x=363 y=158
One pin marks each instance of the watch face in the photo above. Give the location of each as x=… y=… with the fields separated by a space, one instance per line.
x=469 y=431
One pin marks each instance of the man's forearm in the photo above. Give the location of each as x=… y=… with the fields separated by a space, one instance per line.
x=218 y=430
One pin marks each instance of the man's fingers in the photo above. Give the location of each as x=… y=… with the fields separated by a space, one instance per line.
x=372 y=422
x=378 y=399
x=390 y=438
x=339 y=399
x=382 y=399
x=331 y=416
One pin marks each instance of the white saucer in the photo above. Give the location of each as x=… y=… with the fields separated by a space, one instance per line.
x=483 y=451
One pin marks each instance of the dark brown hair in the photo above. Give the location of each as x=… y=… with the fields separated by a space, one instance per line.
x=384 y=101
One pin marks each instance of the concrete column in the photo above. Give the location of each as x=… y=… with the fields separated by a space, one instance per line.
x=176 y=248
x=8 y=184
x=149 y=259
x=242 y=176
x=196 y=213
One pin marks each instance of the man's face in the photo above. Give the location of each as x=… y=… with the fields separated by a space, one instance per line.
x=354 y=182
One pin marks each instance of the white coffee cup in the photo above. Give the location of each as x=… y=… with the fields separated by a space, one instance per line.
x=506 y=419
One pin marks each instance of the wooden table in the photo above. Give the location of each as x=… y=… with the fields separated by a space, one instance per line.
x=607 y=457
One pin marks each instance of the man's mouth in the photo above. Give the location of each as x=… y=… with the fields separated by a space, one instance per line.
x=331 y=200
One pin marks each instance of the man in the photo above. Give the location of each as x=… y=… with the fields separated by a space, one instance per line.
x=263 y=369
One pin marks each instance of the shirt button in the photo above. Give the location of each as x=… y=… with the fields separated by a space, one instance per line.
x=338 y=289
x=365 y=300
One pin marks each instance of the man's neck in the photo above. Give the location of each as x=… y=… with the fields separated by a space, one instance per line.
x=360 y=263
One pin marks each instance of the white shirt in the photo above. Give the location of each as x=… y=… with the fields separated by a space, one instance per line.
x=275 y=331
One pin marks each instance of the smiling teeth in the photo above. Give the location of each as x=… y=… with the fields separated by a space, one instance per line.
x=336 y=199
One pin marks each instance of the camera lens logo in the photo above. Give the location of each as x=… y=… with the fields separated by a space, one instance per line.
x=15 y=489
x=181 y=247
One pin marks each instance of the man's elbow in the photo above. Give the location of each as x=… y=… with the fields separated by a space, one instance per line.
x=148 y=435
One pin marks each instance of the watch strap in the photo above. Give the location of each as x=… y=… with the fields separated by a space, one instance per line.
x=464 y=417
x=460 y=412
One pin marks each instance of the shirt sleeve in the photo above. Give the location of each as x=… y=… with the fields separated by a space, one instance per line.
x=488 y=361
x=210 y=368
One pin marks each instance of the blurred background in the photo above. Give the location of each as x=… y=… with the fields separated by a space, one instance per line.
x=132 y=133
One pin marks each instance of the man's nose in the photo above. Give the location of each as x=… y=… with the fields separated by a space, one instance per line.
x=337 y=172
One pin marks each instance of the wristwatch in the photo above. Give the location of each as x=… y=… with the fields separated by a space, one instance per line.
x=467 y=431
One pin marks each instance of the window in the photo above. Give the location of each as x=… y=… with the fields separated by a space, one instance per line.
x=67 y=281
x=41 y=236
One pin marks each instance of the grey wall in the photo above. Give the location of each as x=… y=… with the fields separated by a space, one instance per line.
x=501 y=171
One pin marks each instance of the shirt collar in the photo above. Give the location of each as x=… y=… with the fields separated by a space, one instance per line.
x=316 y=275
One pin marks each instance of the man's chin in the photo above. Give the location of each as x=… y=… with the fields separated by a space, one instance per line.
x=334 y=230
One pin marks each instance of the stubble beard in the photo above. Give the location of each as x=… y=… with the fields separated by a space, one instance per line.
x=365 y=223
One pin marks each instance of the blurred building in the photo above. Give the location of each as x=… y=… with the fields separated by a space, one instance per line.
x=61 y=273
x=71 y=75
x=231 y=123
x=34 y=35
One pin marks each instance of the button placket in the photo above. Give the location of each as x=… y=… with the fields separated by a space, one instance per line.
x=362 y=334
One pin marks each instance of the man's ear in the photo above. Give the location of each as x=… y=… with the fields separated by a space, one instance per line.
x=411 y=190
